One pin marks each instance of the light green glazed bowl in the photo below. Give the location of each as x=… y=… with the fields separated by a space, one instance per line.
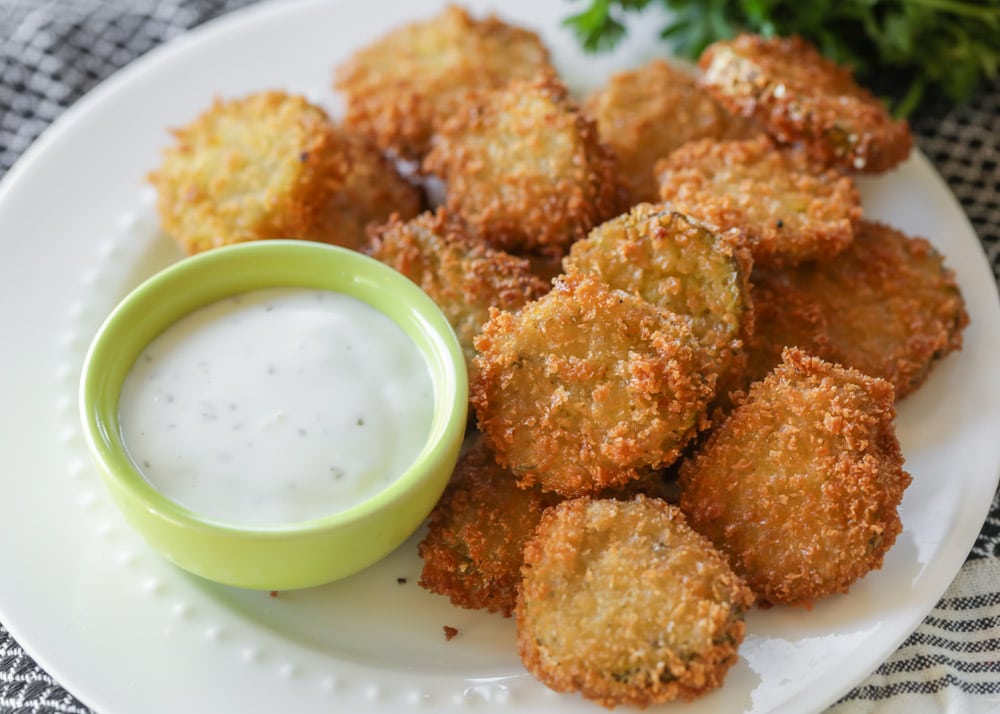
x=301 y=554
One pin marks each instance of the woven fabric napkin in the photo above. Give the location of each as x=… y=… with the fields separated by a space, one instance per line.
x=51 y=53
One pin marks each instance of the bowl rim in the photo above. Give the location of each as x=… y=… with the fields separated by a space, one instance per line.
x=360 y=276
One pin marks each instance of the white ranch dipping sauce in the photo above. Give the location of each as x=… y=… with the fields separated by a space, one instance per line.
x=277 y=406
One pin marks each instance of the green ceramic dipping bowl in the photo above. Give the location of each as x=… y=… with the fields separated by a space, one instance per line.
x=295 y=555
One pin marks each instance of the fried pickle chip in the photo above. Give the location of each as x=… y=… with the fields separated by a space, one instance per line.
x=525 y=169
x=679 y=264
x=589 y=387
x=800 y=97
x=372 y=191
x=463 y=275
x=800 y=485
x=645 y=113
x=473 y=550
x=886 y=305
x=273 y=165
x=626 y=604
x=400 y=88
x=790 y=209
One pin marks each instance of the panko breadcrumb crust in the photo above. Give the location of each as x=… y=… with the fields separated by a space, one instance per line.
x=800 y=97
x=887 y=306
x=260 y=166
x=372 y=191
x=790 y=209
x=273 y=165
x=800 y=485
x=624 y=603
x=525 y=168
x=678 y=264
x=459 y=272
x=399 y=89
x=589 y=387
x=474 y=547
x=645 y=113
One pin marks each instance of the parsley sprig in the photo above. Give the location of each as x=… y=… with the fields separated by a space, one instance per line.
x=908 y=49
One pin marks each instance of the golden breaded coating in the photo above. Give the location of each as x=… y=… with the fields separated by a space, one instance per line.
x=588 y=387
x=525 y=168
x=258 y=167
x=886 y=306
x=625 y=603
x=463 y=275
x=800 y=485
x=400 y=88
x=272 y=165
x=800 y=97
x=679 y=264
x=789 y=208
x=372 y=191
x=645 y=113
x=473 y=550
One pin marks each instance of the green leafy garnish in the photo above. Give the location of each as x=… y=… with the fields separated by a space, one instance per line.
x=905 y=48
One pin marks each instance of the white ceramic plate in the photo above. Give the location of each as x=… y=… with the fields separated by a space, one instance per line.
x=127 y=632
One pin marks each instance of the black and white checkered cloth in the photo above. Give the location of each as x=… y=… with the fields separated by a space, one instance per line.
x=54 y=51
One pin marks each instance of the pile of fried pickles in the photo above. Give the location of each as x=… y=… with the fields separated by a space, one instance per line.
x=685 y=340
